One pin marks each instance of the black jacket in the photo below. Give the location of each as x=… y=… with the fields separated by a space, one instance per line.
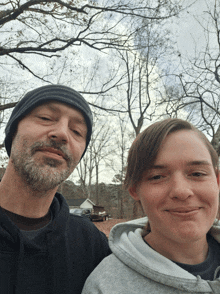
x=58 y=260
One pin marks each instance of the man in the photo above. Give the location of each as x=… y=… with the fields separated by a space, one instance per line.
x=43 y=248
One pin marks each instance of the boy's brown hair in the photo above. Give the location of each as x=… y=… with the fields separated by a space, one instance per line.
x=145 y=148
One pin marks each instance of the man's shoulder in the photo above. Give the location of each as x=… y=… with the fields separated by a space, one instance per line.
x=86 y=233
x=84 y=226
x=81 y=220
x=79 y=227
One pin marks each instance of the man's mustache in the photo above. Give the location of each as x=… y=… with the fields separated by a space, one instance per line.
x=52 y=144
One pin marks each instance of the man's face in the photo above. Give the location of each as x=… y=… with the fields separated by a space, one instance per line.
x=180 y=193
x=48 y=145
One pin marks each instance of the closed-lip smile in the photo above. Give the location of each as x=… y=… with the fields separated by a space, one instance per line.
x=52 y=150
x=183 y=209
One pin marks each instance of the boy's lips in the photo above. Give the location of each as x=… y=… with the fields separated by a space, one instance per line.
x=182 y=210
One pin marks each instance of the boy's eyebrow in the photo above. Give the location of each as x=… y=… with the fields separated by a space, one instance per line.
x=190 y=163
x=157 y=167
x=199 y=162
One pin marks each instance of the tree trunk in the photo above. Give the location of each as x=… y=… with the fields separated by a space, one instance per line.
x=216 y=141
x=97 y=184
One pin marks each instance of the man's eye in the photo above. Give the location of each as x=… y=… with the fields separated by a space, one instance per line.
x=44 y=118
x=76 y=132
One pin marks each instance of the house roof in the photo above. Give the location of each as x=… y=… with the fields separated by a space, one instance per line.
x=78 y=202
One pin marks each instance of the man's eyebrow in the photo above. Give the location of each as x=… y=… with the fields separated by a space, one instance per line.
x=79 y=120
x=75 y=119
x=47 y=106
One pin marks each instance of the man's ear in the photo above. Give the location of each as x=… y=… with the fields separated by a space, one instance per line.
x=134 y=193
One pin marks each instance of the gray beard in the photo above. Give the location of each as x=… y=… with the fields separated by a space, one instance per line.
x=44 y=176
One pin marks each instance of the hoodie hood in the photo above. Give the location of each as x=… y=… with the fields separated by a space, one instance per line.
x=127 y=244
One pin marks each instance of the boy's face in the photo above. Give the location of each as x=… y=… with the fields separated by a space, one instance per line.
x=180 y=194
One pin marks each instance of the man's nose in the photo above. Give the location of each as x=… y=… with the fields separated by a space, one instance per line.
x=59 y=131
x=180 y=187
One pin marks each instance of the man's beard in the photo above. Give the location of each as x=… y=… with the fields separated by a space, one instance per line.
x=42 y=175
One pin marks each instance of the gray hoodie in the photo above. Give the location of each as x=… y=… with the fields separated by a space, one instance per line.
x=134 y=267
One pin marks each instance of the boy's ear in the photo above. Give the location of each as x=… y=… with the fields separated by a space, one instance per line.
x=133 y=192
x=218 y=179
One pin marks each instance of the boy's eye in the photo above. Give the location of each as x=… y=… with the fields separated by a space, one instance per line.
x=198 y=174
x=156 y=177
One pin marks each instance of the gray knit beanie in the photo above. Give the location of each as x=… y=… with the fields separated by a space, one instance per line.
x=41 y=95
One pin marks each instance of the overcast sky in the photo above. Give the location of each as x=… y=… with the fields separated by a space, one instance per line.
x=188 y=31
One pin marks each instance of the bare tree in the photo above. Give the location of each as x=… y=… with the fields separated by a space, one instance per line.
x=40 y=39
x=46 y=28
x=142 y=72
x=100 y=147
x=196 y=89
x=122 y=144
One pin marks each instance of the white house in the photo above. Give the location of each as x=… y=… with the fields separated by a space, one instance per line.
x=80 y=203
